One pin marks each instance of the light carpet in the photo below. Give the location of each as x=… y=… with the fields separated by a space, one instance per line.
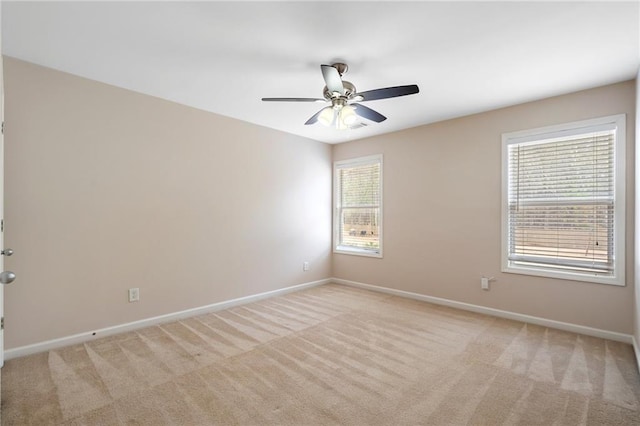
x=329 y=355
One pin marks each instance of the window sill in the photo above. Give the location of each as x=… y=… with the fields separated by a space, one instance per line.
x=358 y=251
x=573 y=276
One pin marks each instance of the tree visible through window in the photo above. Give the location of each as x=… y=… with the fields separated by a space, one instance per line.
x=358 y=203
x=563 y=206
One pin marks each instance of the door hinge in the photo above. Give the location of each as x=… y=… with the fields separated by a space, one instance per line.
x=3 y=127
x=2 y=225
x=2 y=323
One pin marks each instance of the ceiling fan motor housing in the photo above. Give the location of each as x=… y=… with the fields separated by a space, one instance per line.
x=349 y=91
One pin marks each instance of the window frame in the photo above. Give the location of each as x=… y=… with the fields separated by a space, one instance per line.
x=619 y=198
x=337 y=208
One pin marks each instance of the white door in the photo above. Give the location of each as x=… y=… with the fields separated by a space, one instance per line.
x=1 y=196
x=1 y=212
x=6 y=277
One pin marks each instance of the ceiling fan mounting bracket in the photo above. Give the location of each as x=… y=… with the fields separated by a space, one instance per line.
x=342 y=68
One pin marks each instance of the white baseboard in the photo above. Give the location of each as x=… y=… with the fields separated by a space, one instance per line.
x=575 y=328
x=121 y=328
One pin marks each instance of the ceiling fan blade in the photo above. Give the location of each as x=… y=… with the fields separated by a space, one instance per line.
x=314 y=118
x=368 y=113
x=332 y=78
x=293 y=100
x=388 y=92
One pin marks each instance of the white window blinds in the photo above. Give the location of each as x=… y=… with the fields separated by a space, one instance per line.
x=562 y=210
x=358 y=204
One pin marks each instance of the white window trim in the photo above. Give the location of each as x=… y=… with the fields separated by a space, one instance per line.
x=564 y=130
x=336 y=208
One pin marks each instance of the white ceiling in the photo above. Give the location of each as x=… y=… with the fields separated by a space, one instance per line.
x=223 y=57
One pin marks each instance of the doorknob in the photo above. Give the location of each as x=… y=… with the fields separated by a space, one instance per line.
x=7 y=277
x=6 y=252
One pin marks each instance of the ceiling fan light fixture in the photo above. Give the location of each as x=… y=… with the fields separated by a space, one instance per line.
x=348 y=116
x=326 y=116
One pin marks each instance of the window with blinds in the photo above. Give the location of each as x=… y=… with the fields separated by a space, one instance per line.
x=563 y=201
x=358 y=206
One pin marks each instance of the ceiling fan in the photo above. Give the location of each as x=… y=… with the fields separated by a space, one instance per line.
x=345 y=109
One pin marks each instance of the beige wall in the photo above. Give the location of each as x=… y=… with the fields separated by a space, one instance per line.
x=442 y=192
x=107 y=189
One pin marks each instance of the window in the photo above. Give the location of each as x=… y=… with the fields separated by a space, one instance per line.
x=563 y=201
x=357 y=221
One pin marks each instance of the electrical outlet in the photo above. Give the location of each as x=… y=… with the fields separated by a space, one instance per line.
x=305 y=266
x=134 y=294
